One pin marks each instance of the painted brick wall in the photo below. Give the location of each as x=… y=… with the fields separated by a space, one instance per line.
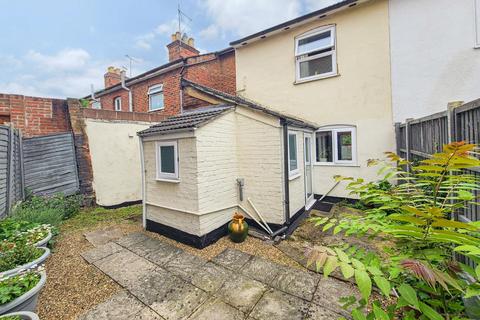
x=209 y=70
x=33 y=115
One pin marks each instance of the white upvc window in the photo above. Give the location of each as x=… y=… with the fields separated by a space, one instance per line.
x=336 y=146
x=155 y=98
x=167 y=160
x=96 y=104
x=315 y=54
x=476 y=4
x=117 y=102
x=293 y=169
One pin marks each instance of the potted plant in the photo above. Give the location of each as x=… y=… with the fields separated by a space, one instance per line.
x=20 y=292
x=13 y=230
x=21 y=315
x=39 y=236
x=15 y=257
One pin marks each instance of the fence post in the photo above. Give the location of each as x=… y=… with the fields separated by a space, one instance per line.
x=398 y=139
x=22 y=166
x=8 y=199
x=451 y=120
x=408 y=140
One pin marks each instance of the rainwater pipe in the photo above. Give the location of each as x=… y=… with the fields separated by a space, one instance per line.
x=255 y=219
x=261 y=217
x=144 y=196
x=122 y=76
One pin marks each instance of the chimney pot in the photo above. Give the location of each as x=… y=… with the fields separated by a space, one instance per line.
x=181 y=47
x=112 y=76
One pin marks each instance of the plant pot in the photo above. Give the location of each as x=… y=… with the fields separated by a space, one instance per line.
x=44 y=242
x=26 y=302
x=36 y=262
x=238 y=228
x=24 y=315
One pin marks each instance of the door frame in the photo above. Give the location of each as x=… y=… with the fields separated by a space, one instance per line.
x=308 y=161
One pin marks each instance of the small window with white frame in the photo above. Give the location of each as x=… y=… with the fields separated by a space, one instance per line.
x=336 y=146
x=155 y=98
x=117 y=102
x=476 y=4
x=96 y=104
x=167 y=160
x=315 y=54
x=293 y=169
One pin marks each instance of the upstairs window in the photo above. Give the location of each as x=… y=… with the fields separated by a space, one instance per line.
x=315 y=54
x=336 y=145
x=117 y=102
x=96 y=104
x=167 y=160
x=155 y=98
x=293 y=169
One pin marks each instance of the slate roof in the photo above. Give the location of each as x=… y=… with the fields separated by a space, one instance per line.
x=187 y=121
x=250 y=104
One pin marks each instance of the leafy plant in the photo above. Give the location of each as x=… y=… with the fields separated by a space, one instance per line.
x=415 y=216
x=13 y=255
x=9 y=228
x=14 y=287
x=10 y=318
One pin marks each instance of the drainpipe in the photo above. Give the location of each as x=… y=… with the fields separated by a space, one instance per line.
x=144 y=199
x=285 y=169
x=130 y=107
x=181 y=87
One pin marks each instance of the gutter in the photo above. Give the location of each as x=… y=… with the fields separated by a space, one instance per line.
x=122 y=83
x=284 y=124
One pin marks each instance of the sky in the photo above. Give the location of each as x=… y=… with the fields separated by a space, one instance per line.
x=58 y=48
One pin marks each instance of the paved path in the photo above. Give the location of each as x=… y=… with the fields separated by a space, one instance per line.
x=163 y=282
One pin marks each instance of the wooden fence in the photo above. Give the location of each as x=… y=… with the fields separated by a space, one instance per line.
x=45 y=165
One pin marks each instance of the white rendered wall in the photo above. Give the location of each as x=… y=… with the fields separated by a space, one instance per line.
x=432 y=55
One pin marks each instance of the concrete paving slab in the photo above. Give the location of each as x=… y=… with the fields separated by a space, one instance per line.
x=155 y=286
x=232 y=259
x=164 y=253
x=278 y=305
x=180 y=302
x=143 y=248
x=316 y=312
x=261 y=269
x=122 y=306
x=131 y=239
x=125 y=267
x=215 y=309
x=299 y=283
x=101 y=252
x=185 y=265
x=330 y=290
x=210 y=277
x=241 y=292
x=147 y=314
x=103 y=236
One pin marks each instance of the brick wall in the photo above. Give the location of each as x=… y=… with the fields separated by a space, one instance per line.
x=209 y=70
x=34 y=116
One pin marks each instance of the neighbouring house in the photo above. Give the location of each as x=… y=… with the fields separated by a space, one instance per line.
x=331 y=67
x=204 y=165
x=435 y=55
x=158 y=90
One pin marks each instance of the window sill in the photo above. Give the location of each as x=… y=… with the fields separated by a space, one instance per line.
x=168 y=180
x=316 y=78
x=294 y=176
x=330 y=164
x=149 y=111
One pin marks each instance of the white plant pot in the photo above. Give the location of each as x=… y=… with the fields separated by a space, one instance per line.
x=44 y=241
x=38 y=262
x=26 y=302
x=24 y=315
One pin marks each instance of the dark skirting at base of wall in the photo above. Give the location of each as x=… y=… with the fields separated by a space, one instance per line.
x=123 y=204
x=198 y=242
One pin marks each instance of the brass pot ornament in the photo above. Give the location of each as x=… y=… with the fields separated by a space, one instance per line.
x=238 y=228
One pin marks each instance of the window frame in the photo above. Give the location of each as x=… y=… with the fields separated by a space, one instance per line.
x=152 y=90
x=476 y=17
x=119 y=99
x=333 y=52
x=296 y=172
x=166 y=176
x=98 y=103
x=337 y=162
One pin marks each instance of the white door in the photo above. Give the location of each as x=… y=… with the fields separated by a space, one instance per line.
x=309 y=199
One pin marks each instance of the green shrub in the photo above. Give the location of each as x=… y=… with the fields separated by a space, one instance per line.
x=9 y=228
x=13 y=255
x=14 y=287
x=47 y=210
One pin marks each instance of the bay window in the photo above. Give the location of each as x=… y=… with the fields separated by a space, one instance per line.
x=336 y=145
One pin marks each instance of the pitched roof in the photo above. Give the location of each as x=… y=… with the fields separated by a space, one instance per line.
x=315 y=15
x=187 y=121
x=228 y=98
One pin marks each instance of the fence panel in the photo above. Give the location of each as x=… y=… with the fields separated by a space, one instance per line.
x=50 y=164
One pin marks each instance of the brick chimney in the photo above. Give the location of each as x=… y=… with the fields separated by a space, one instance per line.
x=112 y=77
x=181 y=47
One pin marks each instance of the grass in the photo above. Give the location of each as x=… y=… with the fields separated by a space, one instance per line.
x=90 y=217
